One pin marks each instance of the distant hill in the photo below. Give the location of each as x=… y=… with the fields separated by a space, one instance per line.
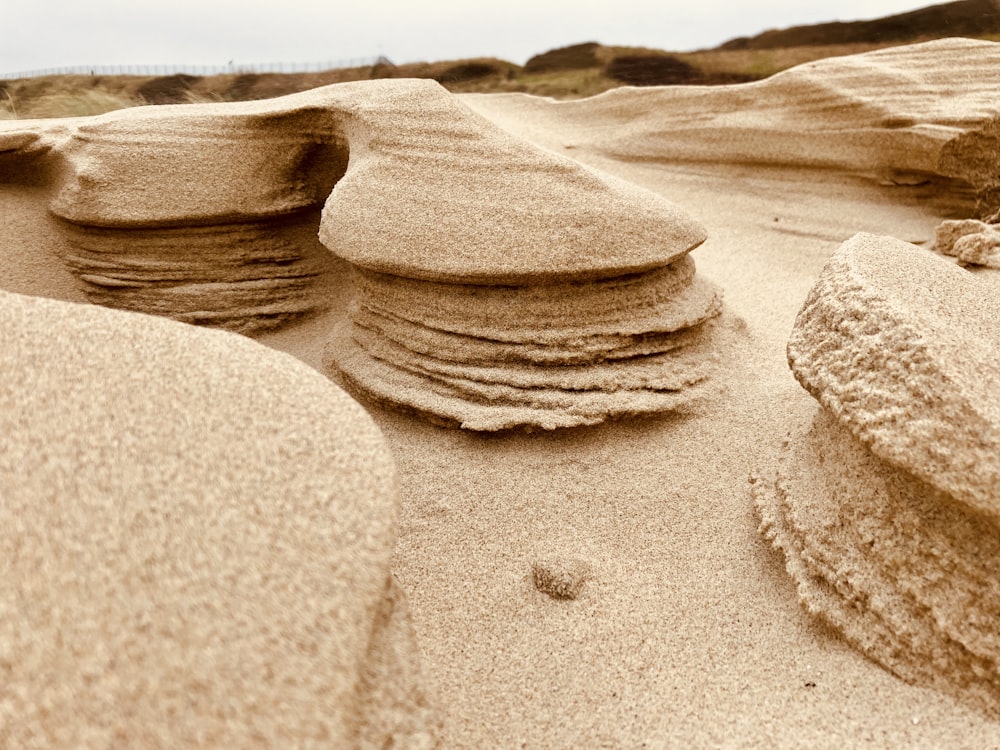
x=974 y=18
x=569 y=72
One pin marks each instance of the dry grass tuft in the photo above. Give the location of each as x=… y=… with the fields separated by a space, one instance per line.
x=68 y=104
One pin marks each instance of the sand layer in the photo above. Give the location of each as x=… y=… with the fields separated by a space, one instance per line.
x=904 y=571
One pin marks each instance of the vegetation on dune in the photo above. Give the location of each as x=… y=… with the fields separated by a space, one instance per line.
x=575 y=71
x=173 y=89
x=574 y=57
x=962 y=18
x=61 y=96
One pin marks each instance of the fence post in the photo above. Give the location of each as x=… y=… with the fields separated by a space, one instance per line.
x=164 y=69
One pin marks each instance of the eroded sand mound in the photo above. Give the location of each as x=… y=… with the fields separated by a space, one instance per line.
x=201 y=213
x=908 y=113
x=888 y=508
x=514 y=287
x=498 y=284
x=196 y=546
x=903 y=571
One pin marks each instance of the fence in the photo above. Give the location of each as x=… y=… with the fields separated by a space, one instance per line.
x=200 y=70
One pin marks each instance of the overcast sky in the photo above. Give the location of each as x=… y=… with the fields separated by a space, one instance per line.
x=54 y=33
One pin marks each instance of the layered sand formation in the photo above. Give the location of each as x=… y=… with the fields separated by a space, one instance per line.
x=904 y=114
x=196 y=546
x=493 y=358
x=574 y=589
x=523 y=290
x=202 y=214
x=888 y=507
x=513 y=287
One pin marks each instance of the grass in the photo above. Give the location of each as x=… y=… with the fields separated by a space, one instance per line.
x=75 y=96
x=76 y=104
x=63 y=96
x=8 y=110
x=766 y=62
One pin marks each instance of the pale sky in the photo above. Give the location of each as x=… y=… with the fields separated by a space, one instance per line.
x=54 y=33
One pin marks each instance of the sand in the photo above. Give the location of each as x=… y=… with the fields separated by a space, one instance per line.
x=607 y=586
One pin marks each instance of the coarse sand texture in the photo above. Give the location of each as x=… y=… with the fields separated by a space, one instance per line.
x=196 y=542
x=887 y=508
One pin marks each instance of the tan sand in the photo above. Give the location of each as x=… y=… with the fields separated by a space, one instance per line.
x=607 y=586
x=887 y=509
x=971 y=242
x=192 y=556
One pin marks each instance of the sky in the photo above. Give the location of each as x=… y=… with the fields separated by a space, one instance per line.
x=56 y=33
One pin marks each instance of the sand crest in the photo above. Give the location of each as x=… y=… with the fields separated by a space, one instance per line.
x=886 y=509
x=196 y=546
x=906 y=114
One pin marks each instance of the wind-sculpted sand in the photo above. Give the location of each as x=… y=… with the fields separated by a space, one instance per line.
x=468 y=256
x=191 y=556
x=903 y=114
x=887 y=508
x=206 y=541
x=565 y=350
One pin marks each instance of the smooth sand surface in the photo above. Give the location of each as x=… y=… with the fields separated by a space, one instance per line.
x=607 y=587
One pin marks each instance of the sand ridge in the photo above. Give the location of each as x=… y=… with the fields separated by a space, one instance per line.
x=902 y=114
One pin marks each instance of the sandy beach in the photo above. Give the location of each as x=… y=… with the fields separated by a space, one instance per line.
x=685 y=630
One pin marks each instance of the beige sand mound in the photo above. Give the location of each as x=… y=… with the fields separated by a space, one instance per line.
x=904 y=348
x=907 y=113
x=196 y=211
x=197 y=542
x=908 y=575
x=887 y=510
x=523 y=290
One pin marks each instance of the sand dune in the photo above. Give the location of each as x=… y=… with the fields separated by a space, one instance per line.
x=190 y=513
x=901 y=113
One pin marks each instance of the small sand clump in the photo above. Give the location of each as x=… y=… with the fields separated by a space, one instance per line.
x=971 y=242
x=560 y=578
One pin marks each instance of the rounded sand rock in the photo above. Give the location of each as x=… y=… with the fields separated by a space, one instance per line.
x=888 y=508
x=197 y=540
